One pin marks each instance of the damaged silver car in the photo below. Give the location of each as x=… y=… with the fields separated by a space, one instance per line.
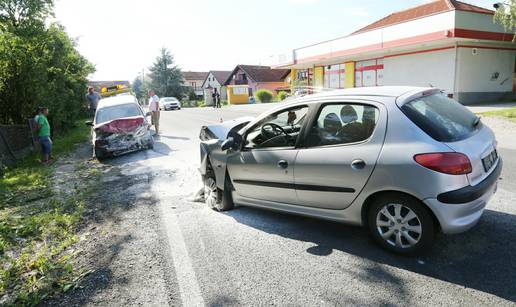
x=405 y=162
x=120 y=126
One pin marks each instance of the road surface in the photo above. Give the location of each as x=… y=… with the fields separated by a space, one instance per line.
x=255 y=257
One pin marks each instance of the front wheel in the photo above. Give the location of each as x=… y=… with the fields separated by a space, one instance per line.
x=100 y=154
x=214 y=197
x=401 y=224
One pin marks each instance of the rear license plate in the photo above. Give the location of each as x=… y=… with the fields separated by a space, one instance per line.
x=490 y=160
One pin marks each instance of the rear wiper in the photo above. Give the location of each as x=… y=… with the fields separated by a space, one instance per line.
x=476 y=121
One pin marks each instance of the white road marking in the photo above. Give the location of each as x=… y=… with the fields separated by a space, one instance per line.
x=188 y=285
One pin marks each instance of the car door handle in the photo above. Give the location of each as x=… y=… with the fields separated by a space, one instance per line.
x=358 y=164
x=282 y=164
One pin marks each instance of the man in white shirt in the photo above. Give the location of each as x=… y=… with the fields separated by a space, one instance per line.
x=154 y=109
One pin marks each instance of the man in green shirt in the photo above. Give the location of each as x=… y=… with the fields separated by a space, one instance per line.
x=43 y=129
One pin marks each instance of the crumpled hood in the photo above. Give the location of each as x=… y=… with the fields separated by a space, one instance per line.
x=121 y=125
x=221 y=130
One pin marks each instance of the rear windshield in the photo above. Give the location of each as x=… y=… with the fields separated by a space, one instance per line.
x=115 y=112
x=442 y=118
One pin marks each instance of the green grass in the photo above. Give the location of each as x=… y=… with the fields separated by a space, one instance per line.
x=510 y=114
x=36 y=226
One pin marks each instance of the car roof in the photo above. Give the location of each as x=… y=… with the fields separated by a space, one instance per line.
x=117 y=100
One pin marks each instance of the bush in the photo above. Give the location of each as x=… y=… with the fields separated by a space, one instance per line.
x=264 y=96
x=282 y=95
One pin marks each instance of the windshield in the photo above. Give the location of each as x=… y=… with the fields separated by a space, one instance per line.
x=169 y=99
x=115 y=112
x=442 y=118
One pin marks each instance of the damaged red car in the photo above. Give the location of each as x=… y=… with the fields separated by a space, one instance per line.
x=120 y=126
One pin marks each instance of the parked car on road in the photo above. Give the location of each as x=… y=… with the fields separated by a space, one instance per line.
x=169 y=103
x=120 y=126
x=406 y=162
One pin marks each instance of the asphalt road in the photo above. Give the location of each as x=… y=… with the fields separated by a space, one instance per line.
x=255 y=257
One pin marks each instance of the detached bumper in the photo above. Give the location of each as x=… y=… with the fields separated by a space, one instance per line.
x=460 y=210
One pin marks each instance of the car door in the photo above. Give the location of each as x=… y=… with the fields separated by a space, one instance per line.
x=264 y=168
x=339 y=153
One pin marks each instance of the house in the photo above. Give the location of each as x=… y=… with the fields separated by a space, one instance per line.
x=194 y=80
x=245 y=80
x=214 y=82
x=447 y=44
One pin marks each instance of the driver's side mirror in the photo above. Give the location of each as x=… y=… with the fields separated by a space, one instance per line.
x=228 y=143
x=89 y=123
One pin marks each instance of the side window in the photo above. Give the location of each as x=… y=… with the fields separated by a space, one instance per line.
x=343 y=123
x=277 y=130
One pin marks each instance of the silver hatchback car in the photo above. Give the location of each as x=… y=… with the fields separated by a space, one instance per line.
x=406 y=162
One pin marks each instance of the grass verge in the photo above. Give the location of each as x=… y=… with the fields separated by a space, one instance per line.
x=37 y=225
x=509 y=113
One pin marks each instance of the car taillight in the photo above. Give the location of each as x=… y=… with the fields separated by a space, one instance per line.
x=452 y=163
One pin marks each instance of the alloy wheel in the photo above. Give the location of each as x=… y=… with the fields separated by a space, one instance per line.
x=211 y=192
x=399 y=226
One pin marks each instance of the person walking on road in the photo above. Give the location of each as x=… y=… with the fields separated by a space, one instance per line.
x=154 y=109
x=217 y=99
x=43 y=130
x=93 y=99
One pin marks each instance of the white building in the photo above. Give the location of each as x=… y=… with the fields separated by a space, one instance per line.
x=214 y=82
x=447 y=44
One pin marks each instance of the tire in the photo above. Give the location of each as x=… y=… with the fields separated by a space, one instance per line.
x=150 y=144
x=215 y=198
x=401 y=224
x=100 y=154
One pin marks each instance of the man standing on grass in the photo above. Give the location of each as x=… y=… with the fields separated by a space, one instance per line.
x=154 y=109
x=93 y=100
x=43 y=129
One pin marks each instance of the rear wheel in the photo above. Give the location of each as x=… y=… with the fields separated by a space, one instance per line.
x=401 y=224
x=216 y=199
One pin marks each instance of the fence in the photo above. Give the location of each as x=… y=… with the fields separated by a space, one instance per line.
x=15 y=143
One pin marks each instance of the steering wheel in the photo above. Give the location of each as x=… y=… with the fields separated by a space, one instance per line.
x=276 y=130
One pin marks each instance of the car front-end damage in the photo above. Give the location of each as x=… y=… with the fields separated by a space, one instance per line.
x=213 y=158
x=121 y=136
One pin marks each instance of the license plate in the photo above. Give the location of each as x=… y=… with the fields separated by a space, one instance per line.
x=490 y=160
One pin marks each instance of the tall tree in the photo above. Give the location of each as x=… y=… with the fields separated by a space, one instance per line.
x=506 y=15
x=138 y=88
x=166 y=78
x=22 y=15
x=39 y=65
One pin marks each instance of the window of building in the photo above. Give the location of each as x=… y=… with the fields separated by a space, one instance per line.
x=343 y=123
x=369 y=73
x=333 y=75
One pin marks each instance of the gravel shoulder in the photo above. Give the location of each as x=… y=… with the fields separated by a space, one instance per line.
x=123 y=245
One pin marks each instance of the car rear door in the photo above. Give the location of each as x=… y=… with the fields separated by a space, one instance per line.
x=333 y=167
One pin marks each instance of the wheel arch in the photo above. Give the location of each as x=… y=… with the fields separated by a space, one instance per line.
x=371 y=198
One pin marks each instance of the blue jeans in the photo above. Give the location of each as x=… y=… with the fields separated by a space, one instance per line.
x=46 y=144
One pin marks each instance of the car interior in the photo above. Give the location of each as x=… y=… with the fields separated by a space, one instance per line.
x=277 y=130
x=348 y=127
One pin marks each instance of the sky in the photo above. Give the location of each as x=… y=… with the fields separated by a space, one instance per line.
x=123 y=37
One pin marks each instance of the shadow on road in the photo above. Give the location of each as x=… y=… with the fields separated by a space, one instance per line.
x=482 y=259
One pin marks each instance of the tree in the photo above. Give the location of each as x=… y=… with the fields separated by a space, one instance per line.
x=39 y=65
x=506 y=15
x=166 y=78
x=137 y=88
x=22 y=15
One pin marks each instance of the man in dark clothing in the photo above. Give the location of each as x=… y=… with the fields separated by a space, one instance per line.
x=93 y=100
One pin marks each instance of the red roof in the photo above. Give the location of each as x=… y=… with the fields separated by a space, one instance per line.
x=427 y=9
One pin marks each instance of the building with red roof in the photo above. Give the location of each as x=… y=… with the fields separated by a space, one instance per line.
x=447 y=44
